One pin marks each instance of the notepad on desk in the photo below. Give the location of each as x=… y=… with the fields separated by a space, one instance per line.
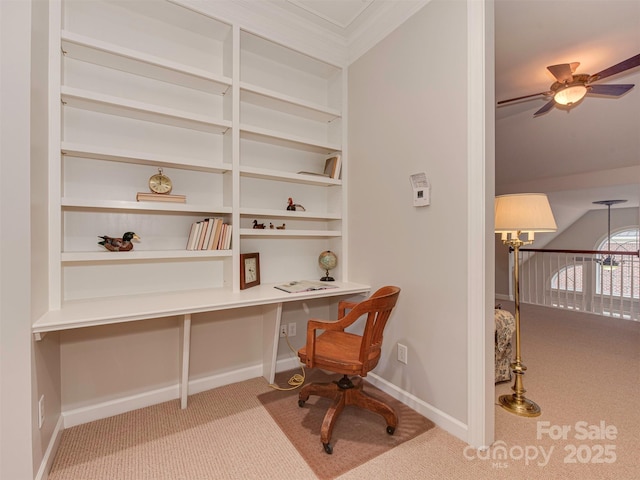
x=304 y=286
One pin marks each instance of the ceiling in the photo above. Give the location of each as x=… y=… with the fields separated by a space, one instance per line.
x=588 y=152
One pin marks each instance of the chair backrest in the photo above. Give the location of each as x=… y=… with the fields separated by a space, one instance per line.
x=378 y=308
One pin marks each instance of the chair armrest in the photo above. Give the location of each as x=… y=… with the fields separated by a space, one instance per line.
x=344 y=305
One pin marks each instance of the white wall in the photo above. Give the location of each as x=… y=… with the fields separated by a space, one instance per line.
x=16 y=406
x=404 y=119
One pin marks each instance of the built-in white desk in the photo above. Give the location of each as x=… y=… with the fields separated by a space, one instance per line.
x=90 y=313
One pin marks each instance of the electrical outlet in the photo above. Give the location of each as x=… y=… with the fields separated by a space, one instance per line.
x=402 y=353
x=292 y=329
x=41 y=412
x=283 y=331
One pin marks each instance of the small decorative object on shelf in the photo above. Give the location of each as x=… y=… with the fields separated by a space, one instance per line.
x=328 y=261
x=258 y=226
x=281 y=227
x=294 y=206
x=160 y=186
x=160 y=183
x=123 y=244
x=249 y=270
x=333 y=165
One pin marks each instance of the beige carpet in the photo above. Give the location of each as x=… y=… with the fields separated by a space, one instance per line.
x=359 y=435
x=581 y=368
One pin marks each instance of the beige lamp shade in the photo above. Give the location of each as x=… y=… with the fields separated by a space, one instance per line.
x=523 y=212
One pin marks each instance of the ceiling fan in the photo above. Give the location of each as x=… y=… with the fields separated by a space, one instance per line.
x=570 y=87
x=609 y=262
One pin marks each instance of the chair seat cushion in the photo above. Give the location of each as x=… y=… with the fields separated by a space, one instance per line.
x=336 y=351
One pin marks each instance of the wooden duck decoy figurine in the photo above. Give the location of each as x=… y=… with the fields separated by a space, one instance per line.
x=257 y=225
x=123 y=244
x=294 y=206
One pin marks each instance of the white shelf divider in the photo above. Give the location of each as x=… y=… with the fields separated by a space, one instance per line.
x=256 y=232
x=140 y=158
x=113 y=56
x=286 y=104
x=108 y=104
x=308 y=179
x=105 y=256
x=148 y=206
x=264 y=212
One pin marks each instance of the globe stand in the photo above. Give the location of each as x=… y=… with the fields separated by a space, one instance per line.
x=327 y=261
x=327 y=278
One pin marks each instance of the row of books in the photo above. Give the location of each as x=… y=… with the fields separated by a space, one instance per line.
x=209 y=234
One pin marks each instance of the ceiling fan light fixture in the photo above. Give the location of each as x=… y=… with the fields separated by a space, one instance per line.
x=609 y=263
x=570 y=94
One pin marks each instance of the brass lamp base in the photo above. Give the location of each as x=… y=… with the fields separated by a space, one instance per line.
x=519 y=405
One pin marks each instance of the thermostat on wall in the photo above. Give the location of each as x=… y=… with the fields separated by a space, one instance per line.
x=421 y=189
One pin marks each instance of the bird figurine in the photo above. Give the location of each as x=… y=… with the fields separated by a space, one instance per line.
x=123 y=244
x=257 y=225
x=294 y=206
x=281 y=227
x=271 y=226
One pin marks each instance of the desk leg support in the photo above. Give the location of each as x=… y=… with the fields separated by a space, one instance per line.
x=185 y=347
x=271 y=316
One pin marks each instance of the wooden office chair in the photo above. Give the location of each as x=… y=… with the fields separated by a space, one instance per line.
x=343 y=352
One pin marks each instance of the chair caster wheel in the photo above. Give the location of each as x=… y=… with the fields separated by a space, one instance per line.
x=328 y=448
x=391 y=430
x=301 y=403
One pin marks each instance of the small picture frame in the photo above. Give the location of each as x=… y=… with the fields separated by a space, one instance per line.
x=249 y=270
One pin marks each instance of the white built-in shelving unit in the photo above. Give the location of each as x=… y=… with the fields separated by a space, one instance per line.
x=232 y=117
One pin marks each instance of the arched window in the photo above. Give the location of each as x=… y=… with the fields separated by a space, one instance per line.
x=568 y=279
x=619 y=275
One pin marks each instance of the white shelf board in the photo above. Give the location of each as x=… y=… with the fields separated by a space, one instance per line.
x=286 y=56
x=106 y=256
x=148 y=206
x=110 y=105
x=266 y=98
x=267 y=232
x=141 y=158
x=264 y=212
x=274 y=137
x=104 y=311
x=128 y=60
x=308 y=179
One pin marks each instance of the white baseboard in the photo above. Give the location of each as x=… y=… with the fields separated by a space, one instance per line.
x=50 y=453
x=90 y=413
x=501 y=296
x=110 y=408
x=452 y=425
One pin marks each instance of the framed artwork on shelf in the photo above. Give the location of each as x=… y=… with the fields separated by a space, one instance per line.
x=249 y=270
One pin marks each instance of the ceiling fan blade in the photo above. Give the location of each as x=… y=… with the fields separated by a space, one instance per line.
x=501 y=102
x=563 y=72
x=627 y=64
x=548 y=106
x=611 y=90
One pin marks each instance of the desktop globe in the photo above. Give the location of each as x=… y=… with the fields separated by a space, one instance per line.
x=327 y=261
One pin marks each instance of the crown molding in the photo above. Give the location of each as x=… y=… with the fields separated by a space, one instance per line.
x=266 y=19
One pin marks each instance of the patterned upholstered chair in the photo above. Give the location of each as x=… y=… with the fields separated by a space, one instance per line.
x=505 y=328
